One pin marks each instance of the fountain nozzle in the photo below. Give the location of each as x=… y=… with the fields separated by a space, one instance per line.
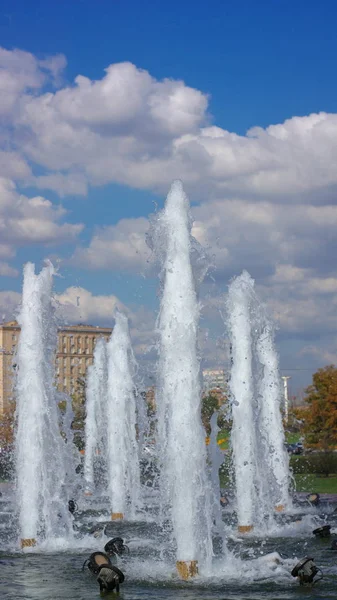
x=306 y=571
x=116 y=516
x=28 y=542
x=187 y=568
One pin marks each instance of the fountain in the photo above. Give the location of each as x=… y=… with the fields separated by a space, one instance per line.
x=271 y=427
x=241 y=385
x=41 y=493
x=179 y=523
x=123 y=459
x=96 y=423
x=260 y=461
x=185 y=489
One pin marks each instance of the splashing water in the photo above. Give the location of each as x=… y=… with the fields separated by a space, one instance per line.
x=271 y=428
x=186 y=495
x=96 y=425
x=40 y=449
x=123 y=459
x=241 y=386
x=260 y=461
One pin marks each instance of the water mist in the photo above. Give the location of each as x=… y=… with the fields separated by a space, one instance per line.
x=260 y=461
x=186 y=495
x=123 y=458
x=40 y=449
x=96 y=425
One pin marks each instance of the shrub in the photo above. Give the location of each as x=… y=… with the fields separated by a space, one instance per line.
x=322 y=463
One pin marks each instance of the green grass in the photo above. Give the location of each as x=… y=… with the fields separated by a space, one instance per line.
x=292 y=438
x=313 y=483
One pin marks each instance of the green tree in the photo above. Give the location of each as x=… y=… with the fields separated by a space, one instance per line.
x=320 y=419
x=209 y=405
x=78 y=406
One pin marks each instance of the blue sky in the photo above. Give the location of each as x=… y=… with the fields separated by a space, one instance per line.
x=248 y=65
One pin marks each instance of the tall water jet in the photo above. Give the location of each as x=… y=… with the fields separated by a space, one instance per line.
x=271 y=427
x=241 y=386
x=96 y=424
x=41 y=493
x=123 y=459
x=260 y=460
x=181 y=437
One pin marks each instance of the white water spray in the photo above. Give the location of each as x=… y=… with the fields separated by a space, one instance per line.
x=260 y=460
x=41 y=494
x=123 y=460
x=242 y=392
x=271 y=427
x=96 y=424
x=181 y=437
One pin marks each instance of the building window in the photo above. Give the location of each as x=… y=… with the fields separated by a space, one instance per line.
x=14 y=338
x=65 y=382
x=72 y=350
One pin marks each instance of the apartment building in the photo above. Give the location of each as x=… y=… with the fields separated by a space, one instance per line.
x=74 y=354
x=214 y=378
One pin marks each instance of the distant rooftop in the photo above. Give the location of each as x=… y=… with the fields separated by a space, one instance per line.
x=81 y=326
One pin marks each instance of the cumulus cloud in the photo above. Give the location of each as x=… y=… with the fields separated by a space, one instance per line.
x=131 y=128
x=266 y=199
x=77 y=304
x=25 y=221
x=9 y=303
x=21 y=71
x=118 y=247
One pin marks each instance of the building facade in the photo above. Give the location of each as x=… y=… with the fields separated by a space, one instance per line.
x=214 y=378
x=74 y=355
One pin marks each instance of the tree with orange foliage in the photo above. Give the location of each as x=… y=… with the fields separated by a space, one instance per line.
x=320 y=420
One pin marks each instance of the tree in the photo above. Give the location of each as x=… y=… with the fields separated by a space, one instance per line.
x=320 y=420
x=78 y=406
x=209 y=405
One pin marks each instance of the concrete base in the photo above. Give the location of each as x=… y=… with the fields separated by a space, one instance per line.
x=28 y=542
x=117 y=516
x=279 y=507
x=245 y=528
x=187 y=568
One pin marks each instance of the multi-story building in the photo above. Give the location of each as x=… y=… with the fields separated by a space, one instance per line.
x=214 y=378
x=74 y=354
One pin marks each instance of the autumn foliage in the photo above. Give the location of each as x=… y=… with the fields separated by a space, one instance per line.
x=7 y=427
x=320 y=420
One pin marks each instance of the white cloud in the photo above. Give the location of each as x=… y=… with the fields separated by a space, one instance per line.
x=130 y=128
x=118 y=247
x=77 y=304
x=21 y=71
x=9 y=303
x=267 y=199
x=25 y=221
x=7 y=271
